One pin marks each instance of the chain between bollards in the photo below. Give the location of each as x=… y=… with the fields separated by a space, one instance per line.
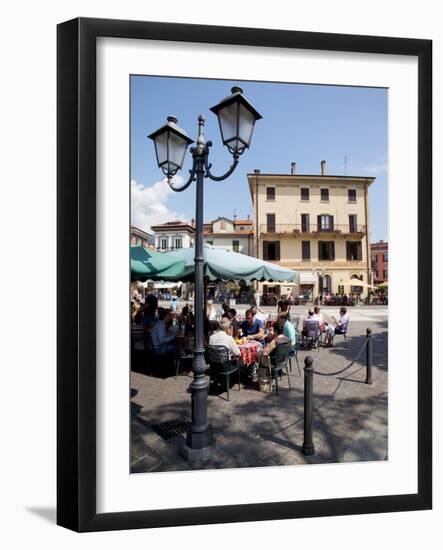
x=308 y=445
x=368 y=356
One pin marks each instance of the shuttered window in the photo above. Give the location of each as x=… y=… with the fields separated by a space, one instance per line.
x=326 y=250
x=271 y=250
x=352 y=223
x=304 y=193
x=353 y=250
x=270 y=193
x=306 y=250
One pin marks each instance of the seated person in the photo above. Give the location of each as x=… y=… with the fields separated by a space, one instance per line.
x=226 y=316
x=319 y=317
x=288 y=327
x=187 y=316
x=280 y=338
x=269 y=332
x=163 y=334
x=252 y=328
x=340 y=327
x=150 y=311
x=311 y=317
x=259 y=314
x=135 y=312
x=223 y=338
x=211 y=312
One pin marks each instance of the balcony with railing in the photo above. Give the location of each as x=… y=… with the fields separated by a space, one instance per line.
x=298 y=230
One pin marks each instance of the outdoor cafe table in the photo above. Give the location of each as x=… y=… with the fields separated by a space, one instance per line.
x=249 y=352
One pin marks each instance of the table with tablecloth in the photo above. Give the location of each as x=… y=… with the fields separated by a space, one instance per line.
x=249 y=352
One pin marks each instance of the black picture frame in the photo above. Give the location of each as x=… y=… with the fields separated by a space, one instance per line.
x=76 y=260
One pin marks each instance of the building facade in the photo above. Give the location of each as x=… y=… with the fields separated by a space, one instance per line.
x=236 y=235
x=141 y=238
x=379 y=261
x=173 y=235
x=316 y=225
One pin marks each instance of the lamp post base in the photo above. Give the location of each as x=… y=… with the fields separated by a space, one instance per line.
x=308 y=450
x=198 y=457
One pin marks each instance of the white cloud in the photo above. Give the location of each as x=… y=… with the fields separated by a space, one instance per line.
x=148 y=204
x=375 y=168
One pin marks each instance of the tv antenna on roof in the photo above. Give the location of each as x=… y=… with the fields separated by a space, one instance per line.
x=346 y=163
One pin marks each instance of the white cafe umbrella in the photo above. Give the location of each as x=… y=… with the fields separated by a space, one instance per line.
x=358 y=282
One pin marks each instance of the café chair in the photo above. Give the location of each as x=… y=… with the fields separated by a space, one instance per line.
x=294 y=319
x=342 y=334
x=220 y=365
x=279 y=359
x=182 y=358
x=313 y=334
x=293 y=354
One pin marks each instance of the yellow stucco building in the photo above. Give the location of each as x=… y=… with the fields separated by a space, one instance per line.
x=317 y=225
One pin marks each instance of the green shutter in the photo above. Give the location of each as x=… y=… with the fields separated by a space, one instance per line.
x=277 y=250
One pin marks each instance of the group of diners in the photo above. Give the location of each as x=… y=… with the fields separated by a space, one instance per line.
x=164 y=326
x=252 y=329
x=323 y=327
x=161 y=326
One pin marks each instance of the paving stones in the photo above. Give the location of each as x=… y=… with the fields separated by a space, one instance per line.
x=259 y=429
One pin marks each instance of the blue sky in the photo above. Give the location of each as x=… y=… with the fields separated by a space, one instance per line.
x=301 y=123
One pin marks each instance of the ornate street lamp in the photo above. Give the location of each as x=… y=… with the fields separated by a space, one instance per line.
x=236 y=118
x=171 y=143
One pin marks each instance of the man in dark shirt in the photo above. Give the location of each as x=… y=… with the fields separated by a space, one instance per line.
x=252 y=328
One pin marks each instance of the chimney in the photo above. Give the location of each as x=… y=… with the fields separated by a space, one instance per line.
x=293 y=168
x=249 y=217
x=193 y=222
x=256 y=171
x=323 y=168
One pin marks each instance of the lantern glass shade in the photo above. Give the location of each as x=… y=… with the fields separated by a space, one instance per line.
x=171 y=143
x=246 y=125
x=236 y=117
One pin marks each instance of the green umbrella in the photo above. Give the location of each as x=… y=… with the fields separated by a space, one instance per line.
x=149 y=264
x=225 y=265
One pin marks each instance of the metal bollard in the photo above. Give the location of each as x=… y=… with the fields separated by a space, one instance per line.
x=368 y=356
x=308 y=445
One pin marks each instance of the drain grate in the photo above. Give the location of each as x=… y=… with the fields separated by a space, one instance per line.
x=171 y=428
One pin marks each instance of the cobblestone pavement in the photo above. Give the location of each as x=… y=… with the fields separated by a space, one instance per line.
x=256 y=429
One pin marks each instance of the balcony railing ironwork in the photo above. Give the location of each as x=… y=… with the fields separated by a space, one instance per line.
x=312 y=229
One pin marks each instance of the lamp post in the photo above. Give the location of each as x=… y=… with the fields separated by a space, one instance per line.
x=236 y=117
